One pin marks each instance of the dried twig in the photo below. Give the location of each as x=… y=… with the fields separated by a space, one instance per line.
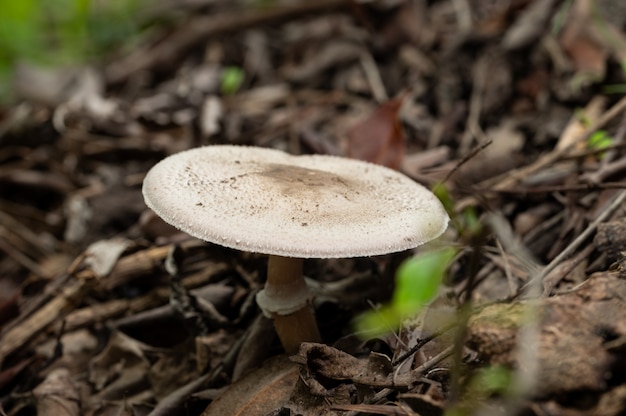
x=612 y=206
x=511 y=178
x=167 y=53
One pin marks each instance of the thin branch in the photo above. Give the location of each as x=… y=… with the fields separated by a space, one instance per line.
x=615 y=204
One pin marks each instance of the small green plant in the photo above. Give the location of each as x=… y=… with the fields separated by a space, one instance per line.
x=53 y=33
x=467 y=222
x=604 y=32
x=417 y=282
x=419 y=278
x=231 y=79
x=600 y=140
x=582 y=117
x=491 y=380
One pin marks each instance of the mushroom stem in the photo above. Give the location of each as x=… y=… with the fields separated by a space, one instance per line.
x=286 y=300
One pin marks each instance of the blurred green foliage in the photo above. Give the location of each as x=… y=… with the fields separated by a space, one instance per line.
x=600 y=140
x=494 y=379
x=231 y=79
x=466 y=222
x=61 y=32
x=417 y=282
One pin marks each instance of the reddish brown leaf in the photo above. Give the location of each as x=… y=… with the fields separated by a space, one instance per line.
x=578 y=41
x=380 y=137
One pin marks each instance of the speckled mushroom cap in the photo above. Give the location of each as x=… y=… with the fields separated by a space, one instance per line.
x=267 y=201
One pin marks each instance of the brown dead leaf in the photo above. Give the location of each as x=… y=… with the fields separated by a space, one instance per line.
x=328 y=361
x=587 y=53
x=576 y=126
x=379 y=138
x=414 y=163
x=103 y=255
x=333 y=364
x=258 y=393
x=504 y=153
x=593 y=31
x=57 y=395
x=529 y=26
x=119 y=366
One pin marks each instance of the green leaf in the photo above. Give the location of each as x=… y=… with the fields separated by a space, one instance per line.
x=443 y=193
x=231 y=79
x=18 y=26
x=378 y=322
x=417 y=282
x=494 y=379
x=599 y=140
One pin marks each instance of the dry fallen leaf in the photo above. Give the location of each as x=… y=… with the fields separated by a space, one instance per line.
x=57 y=395
x=587 y=51
x=328 y=363
x=579 y=122
x=380 y=137
x=102 y=256
x=121 y=360
x=258 y=393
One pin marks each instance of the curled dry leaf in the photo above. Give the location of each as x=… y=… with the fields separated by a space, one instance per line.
x=258 y=393
x=102 y=256
x=329 y=363
x=529 y=26
x=121 y=360
x=57 y=395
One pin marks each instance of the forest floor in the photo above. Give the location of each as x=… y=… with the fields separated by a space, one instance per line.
x=515 y=107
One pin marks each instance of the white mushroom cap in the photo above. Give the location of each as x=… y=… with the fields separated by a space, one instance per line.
x=267 y=201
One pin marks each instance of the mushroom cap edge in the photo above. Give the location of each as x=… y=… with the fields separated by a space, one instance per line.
x=311 y=206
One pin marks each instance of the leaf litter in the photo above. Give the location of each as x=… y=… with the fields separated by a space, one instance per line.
x=498 y=100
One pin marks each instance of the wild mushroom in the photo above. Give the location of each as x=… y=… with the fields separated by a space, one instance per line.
x=291 y=207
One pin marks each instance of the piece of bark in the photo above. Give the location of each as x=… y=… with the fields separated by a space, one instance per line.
x=572 y=332
x=611 y=238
